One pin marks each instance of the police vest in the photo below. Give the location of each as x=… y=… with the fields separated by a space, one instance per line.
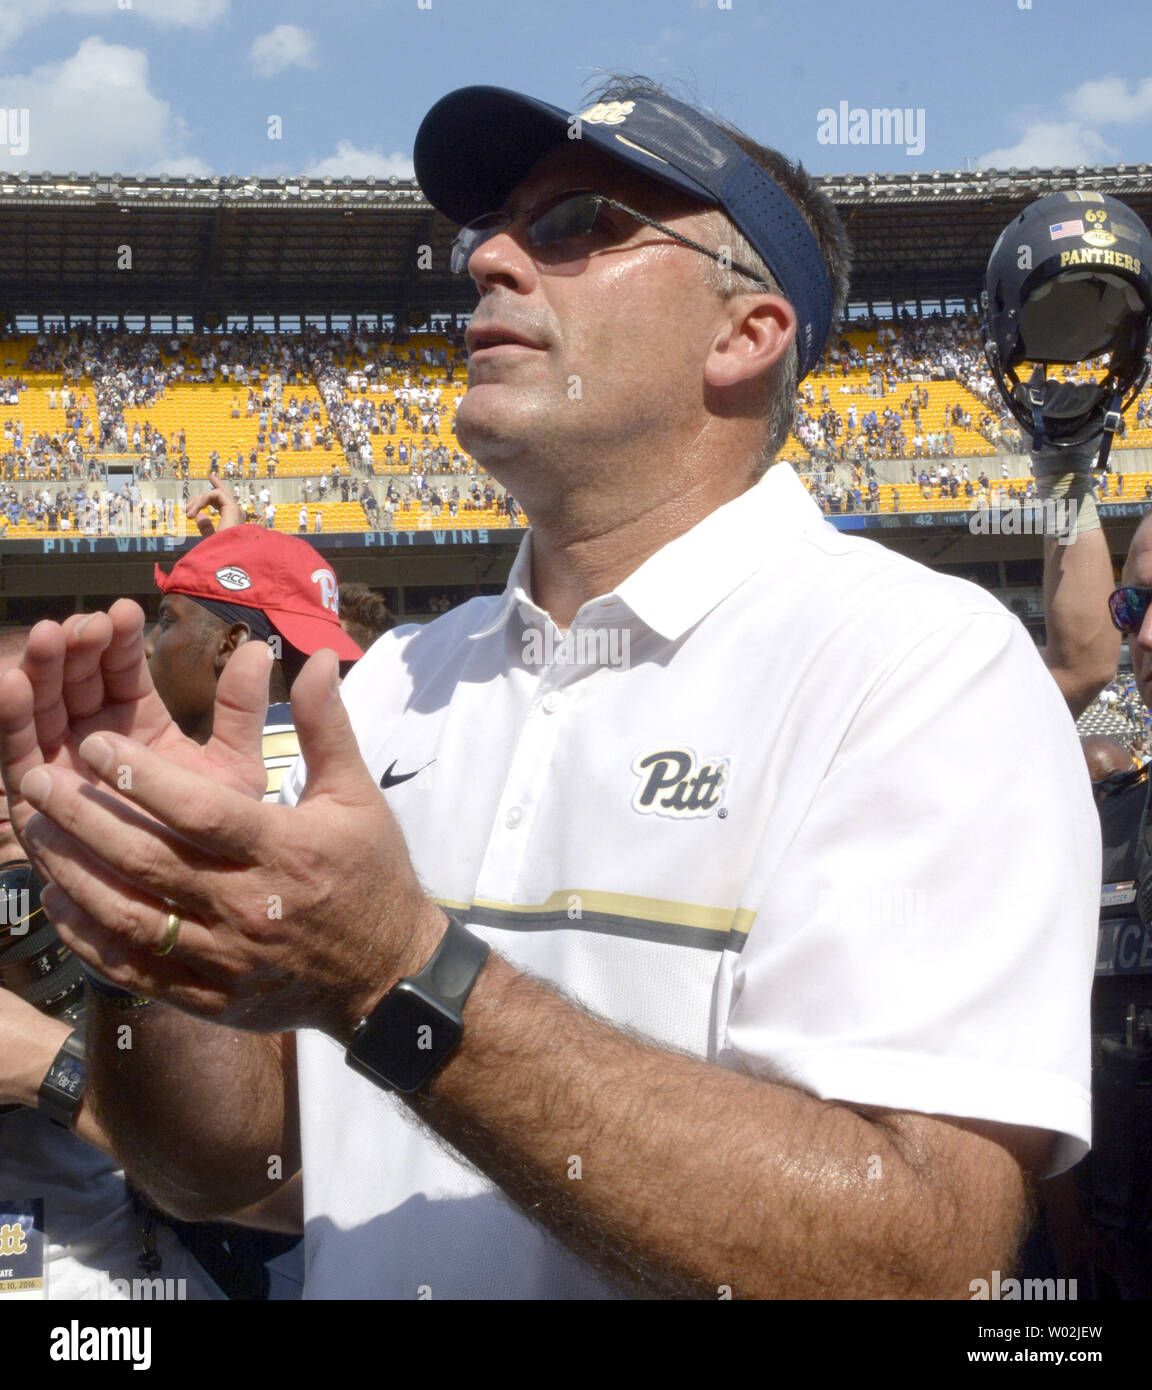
x=1124 y=944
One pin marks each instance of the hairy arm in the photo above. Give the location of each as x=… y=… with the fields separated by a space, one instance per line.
x=166 y=1162
x=204 y=1118
x=679 y=1178
x=683 y=1176
x=29 y=1042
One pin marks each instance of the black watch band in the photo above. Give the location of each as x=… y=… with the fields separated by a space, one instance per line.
x=62 y=1089
x=416 y=1027
x=454 y=966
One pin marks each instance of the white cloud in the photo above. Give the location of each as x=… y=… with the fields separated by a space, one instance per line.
x=94 y=111
x=1045 y=143
x=181 y=166
x=18 y=16
x=358 y=163
x=1110 y=100
x=1074 y=137
x=286 y=46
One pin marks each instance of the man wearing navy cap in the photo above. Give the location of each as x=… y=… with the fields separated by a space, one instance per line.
x=676 y=981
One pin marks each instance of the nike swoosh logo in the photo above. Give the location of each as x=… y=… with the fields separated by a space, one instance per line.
x=393 y=779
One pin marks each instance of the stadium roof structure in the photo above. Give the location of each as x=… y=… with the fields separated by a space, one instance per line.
x=210 y=248
x=927 y=236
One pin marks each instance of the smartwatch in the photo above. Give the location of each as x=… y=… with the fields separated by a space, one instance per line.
x=417 y=1026
x=62 y=1089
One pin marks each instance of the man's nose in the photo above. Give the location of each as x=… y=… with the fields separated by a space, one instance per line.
x=149 y=642
x=502 y=259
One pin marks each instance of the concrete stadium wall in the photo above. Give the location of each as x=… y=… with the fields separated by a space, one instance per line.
x=890 y=471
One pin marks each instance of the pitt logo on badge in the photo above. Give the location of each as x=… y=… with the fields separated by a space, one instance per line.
x=12 y=1241
x=673 y=783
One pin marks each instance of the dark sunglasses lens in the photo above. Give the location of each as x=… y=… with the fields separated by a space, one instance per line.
x=469 y=237
x=1129 y=605
x=571 y=217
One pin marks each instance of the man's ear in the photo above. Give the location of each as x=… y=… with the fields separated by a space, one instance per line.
x=758 y=332
x=236 y=635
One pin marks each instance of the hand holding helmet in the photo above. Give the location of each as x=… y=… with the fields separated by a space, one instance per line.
x=1069 y=280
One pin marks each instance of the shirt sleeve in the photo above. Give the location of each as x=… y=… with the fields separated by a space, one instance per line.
x=926 y=942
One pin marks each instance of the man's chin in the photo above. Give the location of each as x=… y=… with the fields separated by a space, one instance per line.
x=491 y=431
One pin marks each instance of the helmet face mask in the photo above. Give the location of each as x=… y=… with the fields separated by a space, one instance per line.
x=1068 y=281
x=1076 y=317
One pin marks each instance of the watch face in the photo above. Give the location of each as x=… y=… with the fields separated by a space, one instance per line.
x=408 y=1041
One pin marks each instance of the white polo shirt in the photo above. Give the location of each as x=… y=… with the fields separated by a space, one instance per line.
x=750 y=826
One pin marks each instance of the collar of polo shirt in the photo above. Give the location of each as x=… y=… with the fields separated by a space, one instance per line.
x=685 y=579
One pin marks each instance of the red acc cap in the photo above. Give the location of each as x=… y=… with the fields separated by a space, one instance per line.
x=288 y=580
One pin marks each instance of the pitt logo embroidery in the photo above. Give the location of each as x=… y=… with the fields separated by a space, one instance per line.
x=608 y=112
x=671 y=783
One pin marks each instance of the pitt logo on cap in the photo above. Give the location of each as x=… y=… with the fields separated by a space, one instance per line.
x=608 y=112
x=329 y=591
x=233 y=577
x=671 y=783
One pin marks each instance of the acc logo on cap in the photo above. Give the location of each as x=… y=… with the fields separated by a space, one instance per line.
x=608 y=112
x=233 y=577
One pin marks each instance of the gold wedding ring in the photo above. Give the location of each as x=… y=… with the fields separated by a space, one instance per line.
x=172 y=926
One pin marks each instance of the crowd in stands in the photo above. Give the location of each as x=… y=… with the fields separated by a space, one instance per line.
x=435 y=502
x=369 y=384
x=383 y=407
x=1119 y=703
x=89 y=511
x=456 y=497
x=370 y=387
x=920 y=351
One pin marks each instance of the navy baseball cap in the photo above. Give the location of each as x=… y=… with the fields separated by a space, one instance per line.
x=477 y=143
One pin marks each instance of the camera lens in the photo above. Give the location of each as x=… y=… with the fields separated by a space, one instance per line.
x=34 y=963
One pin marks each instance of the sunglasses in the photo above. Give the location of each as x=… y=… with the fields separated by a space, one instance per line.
x=562 y=226
x=1128 y=607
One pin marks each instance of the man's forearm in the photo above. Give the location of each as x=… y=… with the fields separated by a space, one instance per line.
x=679 y=1178
x=1083 y=648
x=204 y=1118
x=40 y=1044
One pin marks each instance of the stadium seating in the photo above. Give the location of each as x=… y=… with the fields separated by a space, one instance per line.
x=214 y=416
x=351 y=517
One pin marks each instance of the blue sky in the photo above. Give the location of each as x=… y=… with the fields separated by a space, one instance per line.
x=189 y=86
